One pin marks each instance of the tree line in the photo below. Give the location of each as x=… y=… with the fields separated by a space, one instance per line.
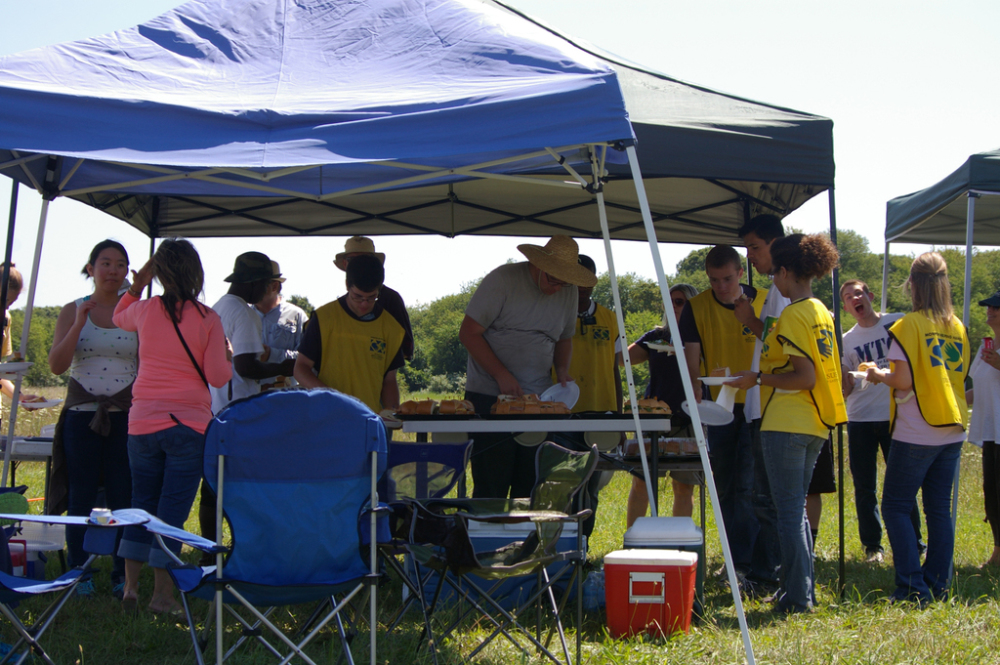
x=439 y=359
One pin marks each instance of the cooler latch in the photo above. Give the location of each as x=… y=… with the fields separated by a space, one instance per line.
x=646 y=588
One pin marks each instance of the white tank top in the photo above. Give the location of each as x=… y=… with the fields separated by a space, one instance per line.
x=105 y=358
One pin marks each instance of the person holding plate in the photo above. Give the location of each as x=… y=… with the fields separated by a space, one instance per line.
x=802 y=401
x=518 y=326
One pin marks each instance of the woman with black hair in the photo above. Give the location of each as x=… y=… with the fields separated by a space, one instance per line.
x=802 y=401
x=93 y=426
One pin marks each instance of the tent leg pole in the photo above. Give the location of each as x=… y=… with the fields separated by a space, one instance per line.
x=647 y=220
x=32 y=285
x=652 y=484
x=970 y=218
x=885 y=279
x=842 y=568
x=9 y=253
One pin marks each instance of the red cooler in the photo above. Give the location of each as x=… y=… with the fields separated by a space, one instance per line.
x=649 y=591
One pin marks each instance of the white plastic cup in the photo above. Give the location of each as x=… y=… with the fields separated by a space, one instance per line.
x=727 y=397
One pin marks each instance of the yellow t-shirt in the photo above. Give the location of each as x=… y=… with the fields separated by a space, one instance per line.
x=805 y=328
x=357 y=354
x=593 y=363
x=725 y=342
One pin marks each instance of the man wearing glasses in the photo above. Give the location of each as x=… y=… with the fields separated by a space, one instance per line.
x=353 y=344
x=518 y=327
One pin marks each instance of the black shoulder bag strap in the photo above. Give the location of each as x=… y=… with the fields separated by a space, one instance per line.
x=190 y=355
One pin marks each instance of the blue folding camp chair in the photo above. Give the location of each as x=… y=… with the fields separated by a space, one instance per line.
x=294 y=472
x=99 y=540
x=418 y=470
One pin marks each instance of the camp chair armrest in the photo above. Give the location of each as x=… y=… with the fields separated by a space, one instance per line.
x=518 y=517
x=160 y=528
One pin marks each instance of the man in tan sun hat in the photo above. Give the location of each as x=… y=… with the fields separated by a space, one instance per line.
x=519 y=325
x=390 y=300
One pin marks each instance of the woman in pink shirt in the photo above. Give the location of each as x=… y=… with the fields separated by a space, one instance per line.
x=182 y=349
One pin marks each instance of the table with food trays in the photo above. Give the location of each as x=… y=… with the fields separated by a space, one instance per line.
x=613 y=457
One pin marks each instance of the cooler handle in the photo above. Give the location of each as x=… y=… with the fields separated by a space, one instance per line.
x=657 y=579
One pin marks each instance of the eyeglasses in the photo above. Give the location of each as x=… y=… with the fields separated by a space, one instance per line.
x=680 y=302
x=362 y=300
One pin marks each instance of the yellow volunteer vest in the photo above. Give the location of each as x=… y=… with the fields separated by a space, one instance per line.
x=593 y=363
x=807 y=327
x=725 y=342
x=939 y=359
x=357 y=354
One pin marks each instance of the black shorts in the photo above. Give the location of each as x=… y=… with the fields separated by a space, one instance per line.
x=824 y=480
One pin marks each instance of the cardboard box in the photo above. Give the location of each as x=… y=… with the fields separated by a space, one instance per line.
x=649 y=591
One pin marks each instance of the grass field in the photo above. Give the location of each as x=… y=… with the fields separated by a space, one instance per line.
x=859 y=627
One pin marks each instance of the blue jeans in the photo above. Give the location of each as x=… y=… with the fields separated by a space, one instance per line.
x=863 y=443
x=93 y=460
x=767 y=549
x=166 y=470
x=913 y=467
x=790 y=459
x=730 y=450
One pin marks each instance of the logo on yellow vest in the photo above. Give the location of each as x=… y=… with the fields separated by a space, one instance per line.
x=825 y=343
x=945 y=353
x=601 y=334
x=377 y=346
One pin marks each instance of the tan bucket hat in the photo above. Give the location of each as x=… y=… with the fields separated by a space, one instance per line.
x=559 y=258
x=357 y=245
x=276 y=272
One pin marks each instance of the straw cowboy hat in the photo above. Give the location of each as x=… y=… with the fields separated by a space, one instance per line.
x=357 y=245
x=559 y=258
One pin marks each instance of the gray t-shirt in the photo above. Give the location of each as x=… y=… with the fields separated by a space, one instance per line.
x=522 y=327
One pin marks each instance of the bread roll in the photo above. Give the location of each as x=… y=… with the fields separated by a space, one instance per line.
x=719 y=371
x=407 y=408
x=864 y=367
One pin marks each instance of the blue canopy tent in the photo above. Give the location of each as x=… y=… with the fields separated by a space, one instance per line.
x=277 y=117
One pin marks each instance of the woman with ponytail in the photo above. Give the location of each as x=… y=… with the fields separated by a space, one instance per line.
x=182 y=349
x=928 y=415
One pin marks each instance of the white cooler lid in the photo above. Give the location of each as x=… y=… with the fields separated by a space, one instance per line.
x=663 y=531
x=650 y=558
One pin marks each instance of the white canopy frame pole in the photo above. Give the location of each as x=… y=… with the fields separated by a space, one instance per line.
x=652 y=484
x=885 y=278
x=970 y=219
x=29 y=305
x=647 y=219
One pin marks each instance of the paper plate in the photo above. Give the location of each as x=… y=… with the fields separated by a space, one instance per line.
x=47 y=404
x=568 y=395
x=716 y=380
x=711 y=413
x=15 y=368
x=656 y=346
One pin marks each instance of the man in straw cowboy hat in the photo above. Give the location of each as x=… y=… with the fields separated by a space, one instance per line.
x=390 y=300
x=519 y=325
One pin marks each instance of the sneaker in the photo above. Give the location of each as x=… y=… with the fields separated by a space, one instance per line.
x=85 y=589
x=118 y=590
x=874 y=556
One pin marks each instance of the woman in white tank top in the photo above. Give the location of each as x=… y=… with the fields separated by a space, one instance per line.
x=92 y=433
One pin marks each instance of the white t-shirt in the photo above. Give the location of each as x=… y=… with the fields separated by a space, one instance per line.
x=985 y=422
x=774 y=304
x=243 y=328
x=870 y=405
